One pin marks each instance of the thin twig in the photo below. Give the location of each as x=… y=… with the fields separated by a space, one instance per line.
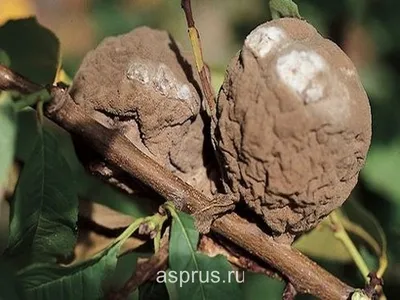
x=374 y=287
x=341 y=234
x=289 y=293
x=366 y=237
x=362 y=234
x=10 y=80
x=198 y=55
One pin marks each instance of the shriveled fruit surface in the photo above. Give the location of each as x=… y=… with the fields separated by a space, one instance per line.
x=141 y=84
x=294 y=125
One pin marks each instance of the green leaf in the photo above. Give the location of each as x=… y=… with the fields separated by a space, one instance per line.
x=88 y=186
x=34 y=50
x=153 y=291
x=196 y=275
x=83 y=281
x=126 y=266
x=171 y=287
x=283 y=8
x=357 y=214
x=261 y=287
x=45 y=207
x=27 y=135
x=320 y=243
x=4 y=59
x=8 y=128
x=370 y=258
x=8 y=284
x=361 y=224
x=185 y=234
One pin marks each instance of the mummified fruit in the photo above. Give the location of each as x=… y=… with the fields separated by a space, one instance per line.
x=294 y=125
x=142 y=85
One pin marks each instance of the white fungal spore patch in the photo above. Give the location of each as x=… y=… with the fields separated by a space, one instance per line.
x=348 y=72
x=184 y=92
x=160 y=77
x=164 y=81
x=139 y=71
x=298 y=70
x=263 y=39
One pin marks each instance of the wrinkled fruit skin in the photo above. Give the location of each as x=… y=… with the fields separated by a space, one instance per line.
x=294 y=125
x=142 y=85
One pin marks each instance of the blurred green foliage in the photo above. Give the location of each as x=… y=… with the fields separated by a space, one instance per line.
x=379 y=187
x=25 y=62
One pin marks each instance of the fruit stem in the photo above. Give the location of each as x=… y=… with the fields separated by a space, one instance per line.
x=341 y=234
x=202 y=69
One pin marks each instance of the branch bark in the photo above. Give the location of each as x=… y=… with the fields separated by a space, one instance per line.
x=10 y=80
x=305 y=275
x=213 y=246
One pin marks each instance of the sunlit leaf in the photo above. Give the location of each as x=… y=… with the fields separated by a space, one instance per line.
x=62 y=76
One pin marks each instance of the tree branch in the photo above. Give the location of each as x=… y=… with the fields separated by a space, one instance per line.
x=211 y=246
x=10 y=80
x=305 y=275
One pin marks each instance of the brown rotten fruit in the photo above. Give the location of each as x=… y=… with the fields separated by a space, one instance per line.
x=293 y=125
x=141 y=85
